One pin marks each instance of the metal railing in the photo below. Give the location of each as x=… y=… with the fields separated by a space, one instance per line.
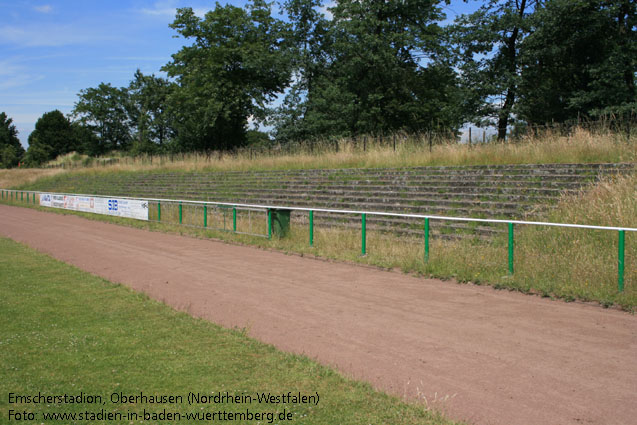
x=6 y=193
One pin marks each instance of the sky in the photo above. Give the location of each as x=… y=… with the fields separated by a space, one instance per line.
x=50 y=50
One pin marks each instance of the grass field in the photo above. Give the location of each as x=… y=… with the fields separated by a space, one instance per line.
x=570 y=264
x=65 y=331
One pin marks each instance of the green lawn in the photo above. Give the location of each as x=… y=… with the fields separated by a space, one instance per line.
x=64 y=331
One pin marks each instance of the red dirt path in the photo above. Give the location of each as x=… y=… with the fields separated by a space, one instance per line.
x=480 y=355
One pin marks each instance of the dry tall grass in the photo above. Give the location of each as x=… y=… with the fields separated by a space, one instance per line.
x=581 y=146
x=20 y=176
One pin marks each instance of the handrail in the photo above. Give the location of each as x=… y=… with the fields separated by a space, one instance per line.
x=356 y=212
x=364 y=214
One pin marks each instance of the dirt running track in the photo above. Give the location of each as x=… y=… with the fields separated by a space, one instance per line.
x=480 y=355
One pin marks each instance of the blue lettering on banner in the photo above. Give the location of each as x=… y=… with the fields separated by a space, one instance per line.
x=112 y=204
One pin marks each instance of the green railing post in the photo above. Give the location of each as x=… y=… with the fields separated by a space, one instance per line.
x=269 y=224
x=234 y=219
x=426 y=239
x=620 y=261
x=205 y=216
x=223 y=209
x=180 y=213
x=510 y=248
x=158 y=211
x=21 y=196
x=363 y=234
x=311 y=228
x=27 y=197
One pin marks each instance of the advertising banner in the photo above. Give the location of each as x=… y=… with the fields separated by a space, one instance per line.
x=130 y=208
x=45 y=199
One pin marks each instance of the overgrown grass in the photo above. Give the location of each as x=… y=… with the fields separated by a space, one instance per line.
x=21 y=176
x=65 y=331
x=579 y=147
x=571 y=264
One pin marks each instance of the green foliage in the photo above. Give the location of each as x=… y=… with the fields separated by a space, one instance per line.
x=53 y=136
x=257 y=138
x=371 y=68
x=11 y=151
x=489 y=43
x=580 y=60
x=150 y=114
x=374 y=68
x=105 y=110
x=237 y=63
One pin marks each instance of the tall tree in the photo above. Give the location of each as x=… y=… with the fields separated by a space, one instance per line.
x=106 y=111
x=579 y=61
x=53 y=136
x=11 y=151
x=150 y=114
x=237 y=63
x=379 y=69
x=309 y=47
x=489 y=42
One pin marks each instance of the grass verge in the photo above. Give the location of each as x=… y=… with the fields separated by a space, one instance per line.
x=65 y=331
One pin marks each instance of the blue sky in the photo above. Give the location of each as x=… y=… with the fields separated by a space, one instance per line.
x=50 y=50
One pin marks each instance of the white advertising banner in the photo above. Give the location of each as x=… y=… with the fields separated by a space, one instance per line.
x=131 y=208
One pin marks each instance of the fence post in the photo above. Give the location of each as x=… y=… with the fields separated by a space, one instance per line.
x=510 y=248
x=269 y=224
x=205 y=215
x=180 y=213
x=27 y=197
x=158 y=211
x=21 y=196
x=620 y=261
x=426 y=239
x=234 y=219
x=363 y=234
x=311 y=228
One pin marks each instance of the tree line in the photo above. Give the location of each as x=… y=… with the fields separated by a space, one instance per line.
x=370 y=67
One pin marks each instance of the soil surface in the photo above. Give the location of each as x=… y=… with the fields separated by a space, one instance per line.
x=477 y=354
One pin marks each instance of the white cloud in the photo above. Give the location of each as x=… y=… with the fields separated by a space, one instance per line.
x=169 y=9
x=50 y=35
x=324 y=10
x=46 y=8
x=13 y=75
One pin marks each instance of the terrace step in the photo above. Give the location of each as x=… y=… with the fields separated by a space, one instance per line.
x=504 y=191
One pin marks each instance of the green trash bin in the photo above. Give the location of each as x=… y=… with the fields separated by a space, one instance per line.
x=280 y=222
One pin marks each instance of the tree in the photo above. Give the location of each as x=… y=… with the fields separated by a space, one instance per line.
x=106 y=111
x=489 y=42
x=11 y=151
x=375 y=68
x=237 y=63
x=149 y=112
x=309 y=38
x=53 y=136
x=579 y=61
